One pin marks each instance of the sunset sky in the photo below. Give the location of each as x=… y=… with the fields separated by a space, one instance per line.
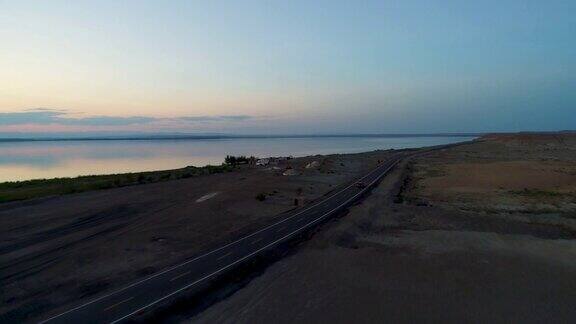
x=300 y=67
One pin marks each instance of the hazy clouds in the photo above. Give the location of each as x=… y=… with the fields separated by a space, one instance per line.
x=322 y=66
x=47 y=116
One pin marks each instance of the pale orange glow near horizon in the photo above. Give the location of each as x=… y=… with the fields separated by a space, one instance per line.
x=286 y=67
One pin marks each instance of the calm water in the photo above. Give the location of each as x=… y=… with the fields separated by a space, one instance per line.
x=36 y=160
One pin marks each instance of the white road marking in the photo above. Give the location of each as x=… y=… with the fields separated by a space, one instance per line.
x=216 y=250
x=125 y=300
x=180 y=275
x=206 y=197
x=223 y=256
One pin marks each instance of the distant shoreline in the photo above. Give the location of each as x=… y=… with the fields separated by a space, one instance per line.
x=220 y=137
x=43 y=187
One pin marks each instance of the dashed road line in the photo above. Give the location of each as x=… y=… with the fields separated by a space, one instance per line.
x=112 y=306
x=223 y=256
x=180 y=275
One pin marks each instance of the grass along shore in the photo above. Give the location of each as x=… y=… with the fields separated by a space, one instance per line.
x=21 y=190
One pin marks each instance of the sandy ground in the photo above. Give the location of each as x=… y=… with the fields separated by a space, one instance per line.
x=61 y=250
x=523 y=175
x=420 y=249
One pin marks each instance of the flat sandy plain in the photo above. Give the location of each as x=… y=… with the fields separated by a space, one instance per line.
x=58 y=251
x=480 y=233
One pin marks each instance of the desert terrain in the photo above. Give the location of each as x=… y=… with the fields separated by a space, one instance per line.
x=478 y=233
x=59 y=250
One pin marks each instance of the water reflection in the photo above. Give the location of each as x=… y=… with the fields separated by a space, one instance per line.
x=35 y=160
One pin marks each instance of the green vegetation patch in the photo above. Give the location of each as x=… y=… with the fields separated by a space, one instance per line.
x=236 y=160
x=21 y=190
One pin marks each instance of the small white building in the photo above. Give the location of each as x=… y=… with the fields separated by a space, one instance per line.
x=313 y=164
x=263 y=162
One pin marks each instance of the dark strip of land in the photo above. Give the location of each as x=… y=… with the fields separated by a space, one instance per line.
x=22 y=190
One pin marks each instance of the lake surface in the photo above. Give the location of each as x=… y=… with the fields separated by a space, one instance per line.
x=50 y=159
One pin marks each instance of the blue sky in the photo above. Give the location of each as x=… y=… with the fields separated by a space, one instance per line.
x=287 y=66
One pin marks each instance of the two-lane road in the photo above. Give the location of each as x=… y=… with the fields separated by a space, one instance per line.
x=126 y=302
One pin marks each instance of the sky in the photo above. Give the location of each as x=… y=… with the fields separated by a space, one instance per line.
x=287 y=67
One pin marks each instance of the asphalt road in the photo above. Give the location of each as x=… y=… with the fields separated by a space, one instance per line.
x=124 y=303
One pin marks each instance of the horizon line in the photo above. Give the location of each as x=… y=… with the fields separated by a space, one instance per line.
x=134 y=137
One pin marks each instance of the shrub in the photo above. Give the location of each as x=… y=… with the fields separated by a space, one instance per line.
x=261 y=197
x=141 y=178
x=235 y=160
